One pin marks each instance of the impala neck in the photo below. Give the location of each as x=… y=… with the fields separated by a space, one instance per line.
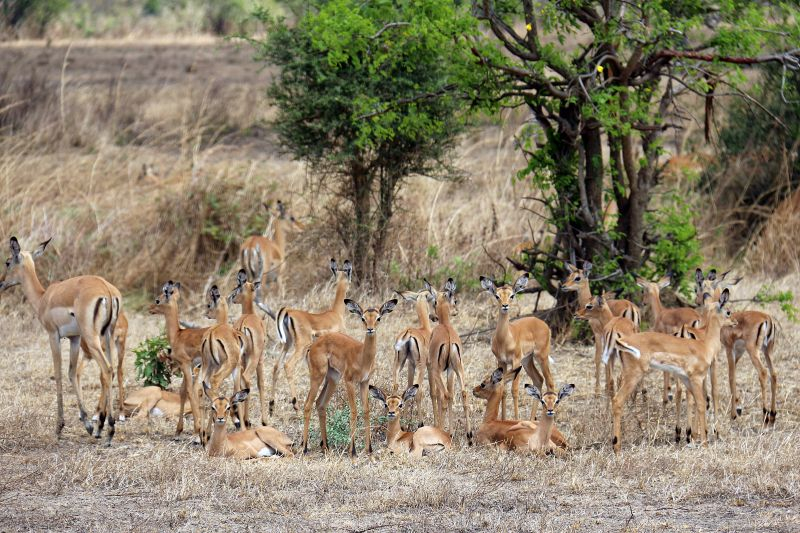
x=173 y=326
x=712 y=333
x=502 y=331
x=422 y=314
x=544 y=430
x=654 y=301
x=605 y=315
x=493 y=405
x=222 y=312
x=393 y=431
x=280 y=237
x=31 y=286
x=443 y=312
x=369 y=350
x=248 y=307
x=338 y=298
x=216 y=444
x=584 y=292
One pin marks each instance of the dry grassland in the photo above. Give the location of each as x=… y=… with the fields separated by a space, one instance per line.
x=84 y=185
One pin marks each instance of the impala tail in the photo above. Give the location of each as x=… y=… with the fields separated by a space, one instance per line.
x=623 y=346
x=285 y=326
x=766 y=334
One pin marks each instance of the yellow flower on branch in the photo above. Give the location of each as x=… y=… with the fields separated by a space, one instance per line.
x=528 y=26
x=600 y=69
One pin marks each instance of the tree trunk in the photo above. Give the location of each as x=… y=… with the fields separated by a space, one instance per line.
x=360 y=231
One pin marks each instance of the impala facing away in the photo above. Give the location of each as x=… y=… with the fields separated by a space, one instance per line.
x=445 y=353
x=336 y=356
x=687 y=359
x=248 y=444
x=184 y=349
x=84 y=309
x=578 y=281
x=527 y=337
x=424 y=441
x=263 y=257
x=296 y=329
x=141 y=403
x=518 y=435
x=411 y=346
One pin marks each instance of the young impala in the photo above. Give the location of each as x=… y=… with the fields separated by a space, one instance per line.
x=423 y=441
x=336 y=356
x=84 y=309
x=527 y=337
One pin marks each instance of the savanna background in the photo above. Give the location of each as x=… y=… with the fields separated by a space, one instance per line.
x=139 y=134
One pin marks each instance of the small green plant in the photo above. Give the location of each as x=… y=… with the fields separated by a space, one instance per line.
x=339 y=426
x=784 y=298
x=149 y=367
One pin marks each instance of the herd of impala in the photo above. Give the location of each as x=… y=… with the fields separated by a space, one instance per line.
x=683 y=343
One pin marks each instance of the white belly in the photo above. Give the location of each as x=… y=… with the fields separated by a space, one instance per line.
x=266 y=451
x=64 y=320
x=672 y=369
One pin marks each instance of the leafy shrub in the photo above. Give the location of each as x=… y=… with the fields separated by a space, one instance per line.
x=339 y=427
x=150 y=367
x=784 y=298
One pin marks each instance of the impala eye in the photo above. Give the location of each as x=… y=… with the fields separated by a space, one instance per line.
x=497 y=296
x=577 y=278
x=483 y=385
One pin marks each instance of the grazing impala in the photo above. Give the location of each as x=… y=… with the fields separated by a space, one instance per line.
x=263 y=257
x=84 y=309
x=184 y=349
x=687 y=359
x=424 y=441
x=526 y=337
x=445 y=353
x=578 y=281
x=518 y=435
x=254 y=333
x=411 y=346
x=296 y=329
x=336 y=356
x=754 y=333
x=248 y=444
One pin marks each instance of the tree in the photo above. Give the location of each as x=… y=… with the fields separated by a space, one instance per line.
x=609 y=77
x=365 y=96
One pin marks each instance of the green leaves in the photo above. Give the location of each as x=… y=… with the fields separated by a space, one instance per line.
x=149 y=367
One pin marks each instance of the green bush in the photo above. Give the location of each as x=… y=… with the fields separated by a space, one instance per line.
x=784 y=298
x=149 y=367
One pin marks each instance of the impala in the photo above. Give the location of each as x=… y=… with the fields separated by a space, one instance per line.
x=578 y=281
x=527 y=337
x=184 y=349
x=263 y=257
x=296 y=329
x=423 y=441
x=445 y=353
x=336 y=356
x=411 y=346
x=84 y=309
x=687 y=359
x=248 y=444
x=154 y=401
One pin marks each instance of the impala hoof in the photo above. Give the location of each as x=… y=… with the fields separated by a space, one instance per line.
x=738 y=411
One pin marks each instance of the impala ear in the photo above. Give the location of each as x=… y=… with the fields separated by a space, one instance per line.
x=712 y=274
x=599 y=301
x=241 y=277
x=40 y=249
x=565 y=391
x=348 y=269
x=207 y=390
x=587 y=268
x=450 y=286
x=723 y=297
x=377 y=393
x=641 y=282
x=497 y=376
x=240 y=396
x=257 y=285
x=487 y=284
x=353 y=307
x=213 y=293
x=521 y=283
x=177 y=285
x=410 y=392
x=281 y=209
x=408 y=296
x=388 y=307
x=533 y=391
x=698 y=277
x=663 y=282
x=334 y=267
x=15 y=249
x=570 y=267
x=511 y=375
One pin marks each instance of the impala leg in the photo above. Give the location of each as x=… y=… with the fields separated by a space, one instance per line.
x=752 y=351
x=120 y=344
x=183 y=394
x=630 y=380
x=598 y=362
x=544 y=362
x=610 y=378
x=75 y=367
x=322 y=409
x=465 y=403
x=262 y=393
x=450 y=401
x=275 y=369
x=396 y=369
x=678 y=405
x=536 y=377
x=503 y=396
x=420 y=369
x=111 y=356
x=350 y=389
x=435 y=404
x=94 y=348
x=514 y=392
x=773 y=378
x=289 y=366
x=736 y=409
x=713 y=375
x=696 y=385
x=409 y=382
x=365 y=406
x=244 y=407
x=667 y=395
x=316 y=381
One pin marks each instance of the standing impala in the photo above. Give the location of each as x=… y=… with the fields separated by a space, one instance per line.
x=254 y=333
x=411 y=346
x=184 y=349
x=578 y=281
x=262 y=257
x=336 y=356
x=84 y=309
x=526 y=337
x=445 y=353
x=296 y=329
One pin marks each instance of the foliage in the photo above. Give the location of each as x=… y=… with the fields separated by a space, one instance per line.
x=364 y=96
x=339 y=426
x=38 y=13
x=149 y=365
x=784 y=298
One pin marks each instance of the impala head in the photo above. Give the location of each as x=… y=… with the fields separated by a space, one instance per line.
x=285 y=217
x=371 y=316
x=576 y=277
x=393 y=403
x=221 y=405
x=593 y=309
x=447 y=296
x=496 y=380
x=550 y=399
x=168 y=298
x=716 y=306
x=504 y=294
x=712 y=284
x=653 y=289
x=244 y=289
x=19 y=262
x=345 y=272
x=215 y=303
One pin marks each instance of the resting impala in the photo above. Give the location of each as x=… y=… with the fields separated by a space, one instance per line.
x=754 y=332
x=141 y=403
x=336 y=356
x=445 y=353
x=665 y=320
x=262 y=257
x=184 y=349
x=423 y=441
x=296 y=329
x=220 y=352
x=516 y=435
x=578 y=281
x=84 y=309
x=411 y=346
x=248 y=444
x=687 y=359
x=526 y=337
